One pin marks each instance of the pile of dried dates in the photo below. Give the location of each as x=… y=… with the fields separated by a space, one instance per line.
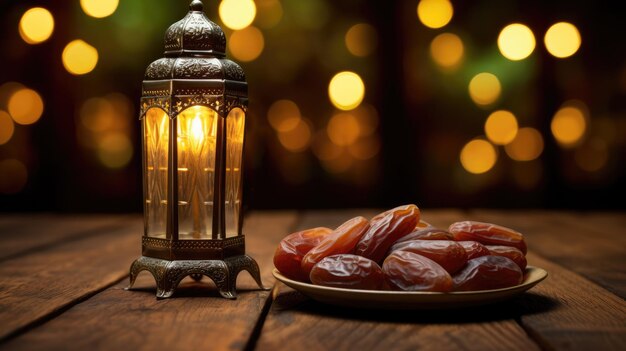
x=396 y=250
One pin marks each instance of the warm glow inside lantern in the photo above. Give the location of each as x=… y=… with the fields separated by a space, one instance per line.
x=193 y=111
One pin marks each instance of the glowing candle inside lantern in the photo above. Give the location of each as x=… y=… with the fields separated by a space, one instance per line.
x=196 y=163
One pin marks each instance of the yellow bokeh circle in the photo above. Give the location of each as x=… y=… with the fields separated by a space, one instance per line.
x=346 y=90
x=501 y=127
x=237 y=14
x=36 y=25
x=79 y=57
x=484 y=88
x=478 y=156
x=25 y=106
x=246 y=44
x=435 y=13
x=562 y=40
x=527 y=145
x=516 y=42
x=447 y=50
x=569 y=125
x=99 y=8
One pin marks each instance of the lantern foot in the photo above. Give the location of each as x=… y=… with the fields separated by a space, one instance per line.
x=168 y=274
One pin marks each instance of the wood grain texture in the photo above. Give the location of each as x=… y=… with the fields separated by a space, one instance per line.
x=592 y=245
x=295 y=322
x=40 y=284
x=195 y=318
x=20 y=234
x=576 y=313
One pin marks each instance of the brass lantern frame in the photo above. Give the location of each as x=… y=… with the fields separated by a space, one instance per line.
x=195 y=72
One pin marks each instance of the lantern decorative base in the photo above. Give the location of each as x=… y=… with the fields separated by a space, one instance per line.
x=168 y=274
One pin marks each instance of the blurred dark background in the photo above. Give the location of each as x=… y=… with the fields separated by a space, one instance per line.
x=556 y=136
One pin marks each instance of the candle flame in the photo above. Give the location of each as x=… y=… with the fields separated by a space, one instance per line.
x=197 y=132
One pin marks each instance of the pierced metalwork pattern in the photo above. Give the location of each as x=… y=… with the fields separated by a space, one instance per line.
x=233 y=71
x=197 y=68
x=160 y=69
x=156 y=101
x=173 y=35
x=195 y=32
x=168 y=274
x=193 y=244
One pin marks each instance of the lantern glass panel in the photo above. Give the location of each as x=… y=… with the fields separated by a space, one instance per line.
x=235 y=125
x=197 y=131
x=155 y=147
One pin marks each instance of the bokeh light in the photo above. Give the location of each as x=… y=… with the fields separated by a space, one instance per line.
x=25 y=106
x=562 y=40
x=298 y=138
x=269 y=13
x=593 y=155
x=115 y=150
x=447 y=50
x=6 y=127
x=97 y=115
x=478 y=156
x=283 y=115
x=484 y=88
x=501 y=127
x=323 y=148
x=36 y=25
x=516 y=42
x=14 y=176
x=99 y=8
x=367 y=117
x=237 y=14
x=434 y=13
x=569 y=123
x=361 y=39
x=365 y=148
x=79 y=57
x=346 y=90
x=527 y=145
x=343 y=129
x=246 y=44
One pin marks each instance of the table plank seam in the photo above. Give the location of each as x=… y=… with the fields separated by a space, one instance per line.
x=59 y=311
x=72 y=238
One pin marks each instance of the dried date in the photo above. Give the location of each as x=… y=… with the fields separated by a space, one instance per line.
x=409 y=271
x=474 y=249
x=447 y=253
x=488 y=272
x=487 y=234
x=385 y=229
x=348 y=271
x=426 y=234
x=341 y=241
x=511 y=252
x=290 y=250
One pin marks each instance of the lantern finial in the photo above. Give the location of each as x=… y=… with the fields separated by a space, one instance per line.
x=196 y=5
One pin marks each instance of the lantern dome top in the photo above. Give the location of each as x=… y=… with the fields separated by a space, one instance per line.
x=195 y=35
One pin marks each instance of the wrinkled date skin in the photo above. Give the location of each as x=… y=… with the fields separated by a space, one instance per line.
x=348 y=272
x=510 y=252
x=385 y=229
x=474 y=249
x=448 y=254
x=412 y=272
x=289 y=253
x=487 y=234
x=488 y=272
x=430 y=233
x=341 y=241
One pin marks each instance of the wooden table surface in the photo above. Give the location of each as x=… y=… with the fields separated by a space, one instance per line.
x=62 y=280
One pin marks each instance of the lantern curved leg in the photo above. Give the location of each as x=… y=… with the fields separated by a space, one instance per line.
x=244 y=262
x=156 y=267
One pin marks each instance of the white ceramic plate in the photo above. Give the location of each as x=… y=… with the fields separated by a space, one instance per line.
x=412 y=299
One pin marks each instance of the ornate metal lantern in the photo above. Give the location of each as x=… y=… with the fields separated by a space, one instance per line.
x=193 y=112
